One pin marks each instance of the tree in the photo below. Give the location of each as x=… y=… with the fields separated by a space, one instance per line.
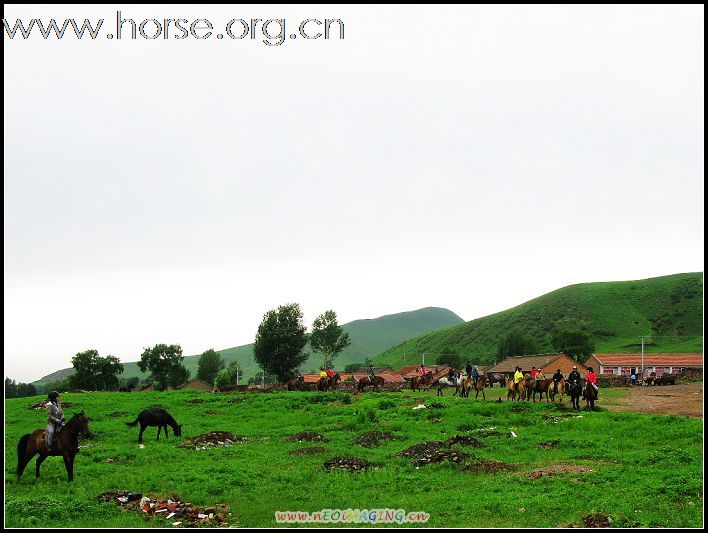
x=573 y=343
x=10 y=388
x=280 y=340
x=209 y=365
x=93 y=372
x=165 y=365
x=229 y=375
x=450 y=359
x=328 y=337
x=26 y=389
x=516 y=343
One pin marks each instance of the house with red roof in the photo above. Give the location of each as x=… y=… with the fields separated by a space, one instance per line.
x=624 y=364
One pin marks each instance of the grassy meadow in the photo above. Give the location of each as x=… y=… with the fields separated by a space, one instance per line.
x=646 y=469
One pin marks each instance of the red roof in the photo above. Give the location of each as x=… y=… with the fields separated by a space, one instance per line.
x=650 y=359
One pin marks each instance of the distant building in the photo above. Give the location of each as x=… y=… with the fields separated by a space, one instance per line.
x=197 y=384
x=623 y=364
x=547 y=363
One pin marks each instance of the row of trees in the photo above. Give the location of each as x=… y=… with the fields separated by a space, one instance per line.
x=573 y=343
x=18 y=390
x=282 y=337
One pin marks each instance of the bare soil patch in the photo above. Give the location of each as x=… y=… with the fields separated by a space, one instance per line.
x=555 y=470
x=371 y=439
x=685 y=399
x=489 y=466
x=549 y=445
x=347 y=463
x=432 y=451
x=466 y=441
x=211 y=439
x=307 y=436
x=597 y=520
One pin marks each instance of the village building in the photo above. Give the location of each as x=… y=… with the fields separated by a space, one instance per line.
x=662 y=363
x=547 y=363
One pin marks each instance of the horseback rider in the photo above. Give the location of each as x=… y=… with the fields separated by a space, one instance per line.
x=518 y=376
x=533 y=372
x=451 y=376
x=591 y=379
x=55 y=418
x=574 y=376
x=557 y=378
x=330 y=373
x=372 y=374
x=298 y=378
x=539 y=378
x=474 y=374
x=468 y=369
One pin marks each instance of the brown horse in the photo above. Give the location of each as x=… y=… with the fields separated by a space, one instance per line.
x=515 y=391
x=294 y=384
x=417 y=381
x=542 y=388
x=561 y=390
x=326 y=383
x=574 y=390
x=496 y=377
x=66 y=445
x=590 y=395
x=367 y=382
x=479 y=386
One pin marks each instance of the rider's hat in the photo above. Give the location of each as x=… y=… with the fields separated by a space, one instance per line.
x=53 y=394
x=574 y=367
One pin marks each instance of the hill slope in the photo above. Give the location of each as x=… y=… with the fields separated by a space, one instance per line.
x=668 y=309
x=369 y=337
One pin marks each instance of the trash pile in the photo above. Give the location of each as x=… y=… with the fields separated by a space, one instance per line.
x=211 y=439
x=432 y=451
x=348 y=463
x=309 y=436
x=371 y=439
x=466 y=440
x=177 y=512
x=309 y=450
x=488 y=466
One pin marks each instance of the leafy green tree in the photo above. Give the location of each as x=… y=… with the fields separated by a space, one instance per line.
x=93 y=372
x=209 y=365
x=353 y=367
x=165 y=365
x=280 y=340
x=573 y=343
x=26 y=389
x=10 y=388
x=450 y=359
x=235 y=371
x=516 y=343
x=328 y=337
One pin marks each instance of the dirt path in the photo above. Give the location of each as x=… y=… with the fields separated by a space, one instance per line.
x=683 y=400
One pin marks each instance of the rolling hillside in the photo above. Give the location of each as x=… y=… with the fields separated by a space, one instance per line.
x=668 y=309
x=369 y=337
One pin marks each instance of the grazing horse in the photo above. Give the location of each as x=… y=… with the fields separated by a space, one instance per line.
x=590 y=395
x=561 y=389
x=367 y=382
x=66 y=445
x=417 y=381
x=541 y=388
x=515 y=391
x=326 y=383
x=575 y=390
x=156 y=417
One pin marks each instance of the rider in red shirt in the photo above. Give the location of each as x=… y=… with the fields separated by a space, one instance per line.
x=591 y=378
x=533 y=372
x=330 y=373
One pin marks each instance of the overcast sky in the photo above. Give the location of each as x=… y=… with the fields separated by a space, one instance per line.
x=473 y=158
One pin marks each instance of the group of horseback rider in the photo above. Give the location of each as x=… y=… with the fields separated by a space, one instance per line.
x=573 y=377
x=452 y=374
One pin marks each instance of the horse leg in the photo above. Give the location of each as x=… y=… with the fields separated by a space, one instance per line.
x=23 y=462
x=69 y=467
x=39 y=462
x=159 y=428
x=166 y=433
x=140 y=437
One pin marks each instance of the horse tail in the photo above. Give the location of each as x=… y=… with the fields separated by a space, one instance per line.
x=21 y=451
x=133 y=423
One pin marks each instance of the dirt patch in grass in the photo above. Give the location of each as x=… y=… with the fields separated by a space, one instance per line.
x=371 y=439
x=211 y=439
x=555 y=470
x=176 y=512
x=117 y=414
x=347 y=463
x=43 y=404
x=489 y=466
x=432 y=451
x=549 y=445
x=466 y=441
x=685 y=399
x=196 y=400
x=309 y=450
x=597 y=520
x=307 y=436
x=236 y=400
x=213 y=412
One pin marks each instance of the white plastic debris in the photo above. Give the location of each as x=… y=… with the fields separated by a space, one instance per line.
x=123 y=499
x=141 y=446
x=419 y=406
x=512 y=434
x=169 y=516
x=176 y=523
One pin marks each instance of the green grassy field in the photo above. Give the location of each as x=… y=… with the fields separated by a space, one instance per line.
x=369 y=337
x=668 y=310
x=647 y=469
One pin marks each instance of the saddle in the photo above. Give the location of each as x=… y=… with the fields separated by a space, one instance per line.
x=45 y=435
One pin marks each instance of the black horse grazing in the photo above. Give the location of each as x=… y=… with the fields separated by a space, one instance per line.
x=156 y=417
x=575 y=390
x=66 y=445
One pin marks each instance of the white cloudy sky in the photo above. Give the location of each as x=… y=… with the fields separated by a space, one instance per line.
x=464 y=157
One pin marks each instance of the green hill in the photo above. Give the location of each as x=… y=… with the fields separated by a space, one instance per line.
x=368 y=337
x=668 y=309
